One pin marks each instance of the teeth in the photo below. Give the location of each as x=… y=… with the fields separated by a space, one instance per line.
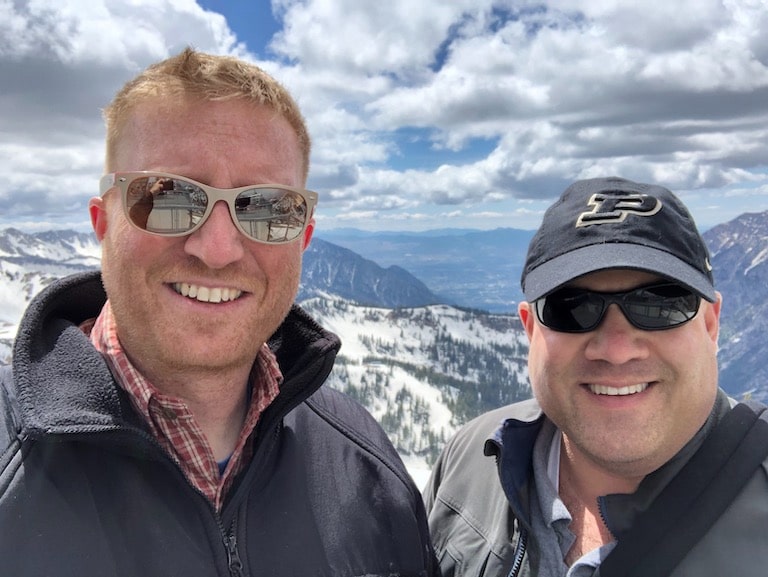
x=206 y=294
x=618 y=391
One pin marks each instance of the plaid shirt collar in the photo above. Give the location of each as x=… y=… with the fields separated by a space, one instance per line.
x=172 y=423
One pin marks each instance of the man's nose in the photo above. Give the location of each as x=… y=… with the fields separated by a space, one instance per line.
x=616 y=340
x=218 y=242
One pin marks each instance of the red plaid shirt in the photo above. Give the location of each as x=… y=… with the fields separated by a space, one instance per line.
x=172 y=423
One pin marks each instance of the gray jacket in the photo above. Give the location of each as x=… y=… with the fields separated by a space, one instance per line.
x=477 y=503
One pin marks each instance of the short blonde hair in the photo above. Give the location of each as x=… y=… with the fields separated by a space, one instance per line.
x=208 y=77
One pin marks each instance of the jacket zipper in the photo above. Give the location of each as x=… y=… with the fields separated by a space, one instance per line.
x=233 y=556
x=522 y=540
x=520 y=549
x=229 y=538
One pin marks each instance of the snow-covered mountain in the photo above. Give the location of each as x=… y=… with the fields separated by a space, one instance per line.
x=423 y=367
x=30 y=262
x=424 y=371
x=481 y=269
x=740 y=261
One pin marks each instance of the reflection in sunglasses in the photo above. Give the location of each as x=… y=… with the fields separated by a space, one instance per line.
x=655 y=307
x=169 y=205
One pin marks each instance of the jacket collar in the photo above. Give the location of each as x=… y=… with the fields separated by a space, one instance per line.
x=512 y=445
x=62 y=384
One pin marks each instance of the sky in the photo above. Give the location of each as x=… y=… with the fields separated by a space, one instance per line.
x=424 y=114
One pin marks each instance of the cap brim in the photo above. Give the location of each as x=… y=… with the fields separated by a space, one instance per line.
x=560 y=270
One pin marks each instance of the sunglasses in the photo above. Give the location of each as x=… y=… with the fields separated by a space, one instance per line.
x=169 y=205
x=651 y=308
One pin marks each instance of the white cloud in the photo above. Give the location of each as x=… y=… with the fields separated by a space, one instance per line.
x=662 y=91
x=61 y=63
x=398 y=37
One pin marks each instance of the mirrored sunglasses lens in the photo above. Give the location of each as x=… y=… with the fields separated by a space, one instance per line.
x=271 y=214
x=571 y=310
x=165 y=205
x=655 y=307
x=661 y=307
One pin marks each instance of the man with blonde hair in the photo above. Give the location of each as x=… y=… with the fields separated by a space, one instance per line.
x=166 y=415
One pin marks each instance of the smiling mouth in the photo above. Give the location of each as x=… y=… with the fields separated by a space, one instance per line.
x=618 y=391
x=207 y=294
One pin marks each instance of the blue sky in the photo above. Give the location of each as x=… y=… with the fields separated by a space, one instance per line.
x=251 y=20
x=424 y=115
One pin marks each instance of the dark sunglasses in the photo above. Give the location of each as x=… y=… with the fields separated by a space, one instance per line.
x=651 y=308
x=171 y=205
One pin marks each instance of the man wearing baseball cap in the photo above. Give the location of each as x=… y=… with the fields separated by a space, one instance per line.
x=629 y=460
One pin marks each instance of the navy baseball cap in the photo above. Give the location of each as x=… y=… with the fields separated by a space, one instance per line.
x=607 y=223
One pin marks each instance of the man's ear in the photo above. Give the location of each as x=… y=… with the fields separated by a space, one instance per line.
x=308 y=234
x=98 y=214
x=712 y=317
x=526 y=314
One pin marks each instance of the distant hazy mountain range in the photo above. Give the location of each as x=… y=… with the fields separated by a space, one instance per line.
x=477 y=269
x=331 y=269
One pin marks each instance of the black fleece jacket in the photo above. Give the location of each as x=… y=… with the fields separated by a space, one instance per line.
x=85 y=491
